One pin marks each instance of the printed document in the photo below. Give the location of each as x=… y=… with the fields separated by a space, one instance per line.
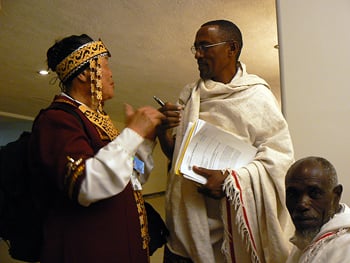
x=211 y=147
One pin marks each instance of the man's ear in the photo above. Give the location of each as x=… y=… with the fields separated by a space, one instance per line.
x=233 y=47
x=337 y=191
x=84 y=76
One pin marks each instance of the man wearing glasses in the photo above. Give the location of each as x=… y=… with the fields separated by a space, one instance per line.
x=238 y=215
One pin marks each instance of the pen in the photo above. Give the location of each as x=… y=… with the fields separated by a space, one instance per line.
x=159 y=101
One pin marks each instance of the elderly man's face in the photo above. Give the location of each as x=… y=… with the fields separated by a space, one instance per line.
x=310 y=198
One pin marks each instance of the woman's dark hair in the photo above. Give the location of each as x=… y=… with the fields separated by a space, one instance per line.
x=62 y=48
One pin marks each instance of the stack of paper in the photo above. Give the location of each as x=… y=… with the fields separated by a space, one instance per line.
x=208 y=146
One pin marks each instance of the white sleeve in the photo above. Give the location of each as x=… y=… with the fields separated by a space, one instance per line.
x=144 y=152
x=109 y=171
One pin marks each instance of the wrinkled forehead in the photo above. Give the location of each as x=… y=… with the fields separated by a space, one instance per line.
x=307 y=174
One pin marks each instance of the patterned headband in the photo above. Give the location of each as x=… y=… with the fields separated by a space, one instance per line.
x=79 y=58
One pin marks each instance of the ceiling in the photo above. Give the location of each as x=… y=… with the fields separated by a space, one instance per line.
x=149 y=41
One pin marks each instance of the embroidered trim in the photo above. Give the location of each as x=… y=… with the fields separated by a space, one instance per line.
x=143 y=219
x=75 y=169
x=101 y=120
x=79 y=58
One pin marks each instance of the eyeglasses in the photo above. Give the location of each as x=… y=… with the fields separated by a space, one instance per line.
x=204 y=48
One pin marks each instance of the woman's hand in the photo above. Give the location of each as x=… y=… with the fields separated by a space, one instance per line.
x=144 y=120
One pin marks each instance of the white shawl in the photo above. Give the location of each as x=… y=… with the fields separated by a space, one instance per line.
x=259 y=221
x=331 y=244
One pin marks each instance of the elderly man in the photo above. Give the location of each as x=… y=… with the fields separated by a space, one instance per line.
x=322 y=223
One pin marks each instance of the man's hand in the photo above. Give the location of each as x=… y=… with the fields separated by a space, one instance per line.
x=172 y=119
x=172 y=115
x=213 y=187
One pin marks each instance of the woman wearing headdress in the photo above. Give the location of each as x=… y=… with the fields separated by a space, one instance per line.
x=96 y=210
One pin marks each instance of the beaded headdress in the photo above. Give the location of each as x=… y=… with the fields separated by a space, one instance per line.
x=88 y=53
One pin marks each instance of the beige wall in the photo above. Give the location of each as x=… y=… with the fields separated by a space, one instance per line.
x=314 y=44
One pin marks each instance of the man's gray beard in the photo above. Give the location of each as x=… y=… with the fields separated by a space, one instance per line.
x=306 y=236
